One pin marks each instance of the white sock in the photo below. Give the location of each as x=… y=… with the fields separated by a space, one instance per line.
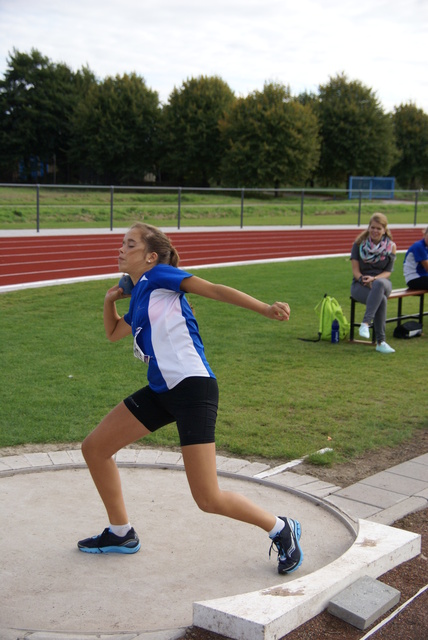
x=279 y=525
x=120 y=529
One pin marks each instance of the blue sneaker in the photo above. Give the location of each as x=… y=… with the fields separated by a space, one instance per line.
x=290 y=555
x=108 y=542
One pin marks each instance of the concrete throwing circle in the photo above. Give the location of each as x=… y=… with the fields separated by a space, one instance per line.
x=186 y=555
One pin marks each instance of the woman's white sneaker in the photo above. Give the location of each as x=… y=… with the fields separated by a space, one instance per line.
x=364 y=330
x=382 y=347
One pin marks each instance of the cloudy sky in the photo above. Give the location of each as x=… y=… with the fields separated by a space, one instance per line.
x=299 y=43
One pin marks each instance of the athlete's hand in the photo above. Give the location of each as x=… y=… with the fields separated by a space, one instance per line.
x=116 y=293
x=279 y=311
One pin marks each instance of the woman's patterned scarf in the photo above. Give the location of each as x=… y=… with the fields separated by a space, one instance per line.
x=372 y=253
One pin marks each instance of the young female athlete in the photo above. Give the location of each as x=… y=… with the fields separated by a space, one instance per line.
x=182 y=388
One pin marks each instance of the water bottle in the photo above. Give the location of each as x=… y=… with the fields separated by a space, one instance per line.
x=335 y=331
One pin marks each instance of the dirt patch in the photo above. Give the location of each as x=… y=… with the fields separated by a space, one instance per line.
x=370 y=463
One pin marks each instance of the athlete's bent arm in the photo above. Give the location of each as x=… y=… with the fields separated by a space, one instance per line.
x=114 y=325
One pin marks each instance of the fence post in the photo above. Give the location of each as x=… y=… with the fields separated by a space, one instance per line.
x=242 y=208
x=302 y=201
x=416 y=207
x=179 y=208
x=111 y=207
x=359 y=207
x=38 y=208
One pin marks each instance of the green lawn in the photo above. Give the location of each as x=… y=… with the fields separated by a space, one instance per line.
x=280 y=397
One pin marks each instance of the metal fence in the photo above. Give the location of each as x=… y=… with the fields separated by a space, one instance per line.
x=300 y=197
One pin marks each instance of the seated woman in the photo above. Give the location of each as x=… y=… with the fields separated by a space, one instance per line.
x=415 y=266
x=373 y=257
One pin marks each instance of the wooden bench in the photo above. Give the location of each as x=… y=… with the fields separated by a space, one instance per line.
x=397 y=294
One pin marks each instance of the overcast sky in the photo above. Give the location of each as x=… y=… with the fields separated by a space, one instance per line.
x=299 y=43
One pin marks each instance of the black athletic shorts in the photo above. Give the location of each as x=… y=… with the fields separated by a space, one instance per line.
x=192 y=404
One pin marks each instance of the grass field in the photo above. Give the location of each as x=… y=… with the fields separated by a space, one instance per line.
x=92 y=208
x=280 y=397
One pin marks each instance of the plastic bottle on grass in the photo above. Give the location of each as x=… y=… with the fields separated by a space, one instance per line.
x=335 y=331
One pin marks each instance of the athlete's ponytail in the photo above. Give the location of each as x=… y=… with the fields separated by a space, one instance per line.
x=174 y=258
x=157 y=241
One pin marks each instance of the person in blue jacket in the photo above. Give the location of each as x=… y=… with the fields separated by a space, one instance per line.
x=415 y=265
x=181 y=388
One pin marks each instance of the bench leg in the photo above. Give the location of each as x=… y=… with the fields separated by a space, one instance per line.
x=399 y=314
x=351 y=333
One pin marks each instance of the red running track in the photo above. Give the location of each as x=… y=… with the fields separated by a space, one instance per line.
x=39 y=258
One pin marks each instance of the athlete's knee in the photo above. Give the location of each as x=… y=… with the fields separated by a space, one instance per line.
x=87 y=448
x=90 y=449
x=210 y=503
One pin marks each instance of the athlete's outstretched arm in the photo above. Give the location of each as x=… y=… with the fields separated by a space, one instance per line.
x=223 y=293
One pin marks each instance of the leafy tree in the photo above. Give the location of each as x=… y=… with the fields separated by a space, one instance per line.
x=37 y=99
x=357 y=136
x=115 y=125
x=270 y=138
x=411 y=133
x=191 y=142
x=308 y=98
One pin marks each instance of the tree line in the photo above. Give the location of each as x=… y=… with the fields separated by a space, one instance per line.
x=65 y=127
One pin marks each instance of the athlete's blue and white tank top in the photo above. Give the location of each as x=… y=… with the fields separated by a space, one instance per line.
x=166 y=334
